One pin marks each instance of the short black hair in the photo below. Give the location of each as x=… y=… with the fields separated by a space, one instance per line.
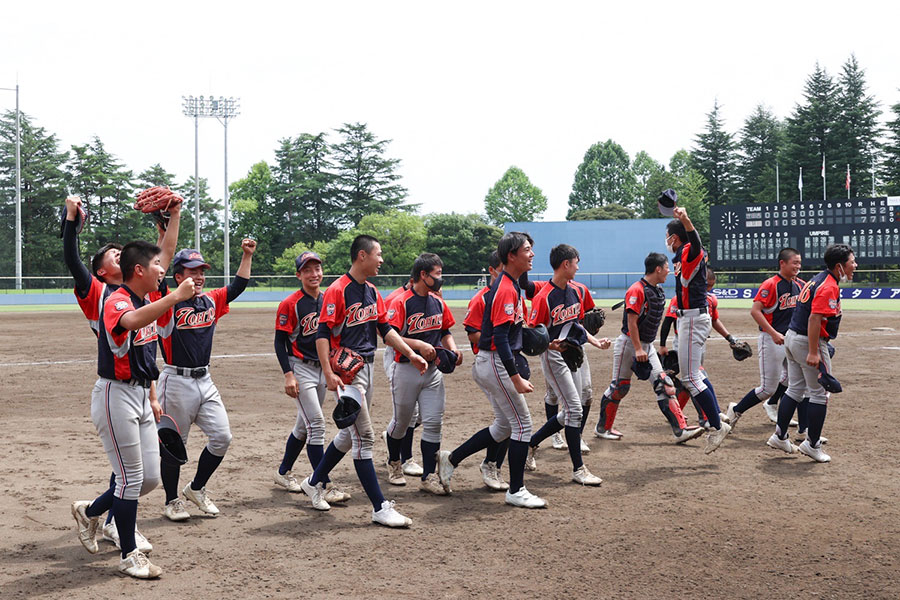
x=494 y=260
x=562 y=253
x=425 y=262
x=361 y=242
x=710 y=274
x=837 y=254
x=676 y=227
x=653 y=261
x=787 y=254
x=97 y=260
x=136 y=253
x=510 y=243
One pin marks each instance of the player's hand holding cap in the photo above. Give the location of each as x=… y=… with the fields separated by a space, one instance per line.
x=667 y=202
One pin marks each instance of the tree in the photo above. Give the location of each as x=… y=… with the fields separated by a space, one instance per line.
x=249 y=197
x=463 y=242
x=366 y=181
x=603 y=177
x=760 y=144
x=211 y=212
x=651 y=179
x=43 y=190
x=514 y=198
x=713 y=157
x=890 y=169
x=605 y=212
x=856 y=129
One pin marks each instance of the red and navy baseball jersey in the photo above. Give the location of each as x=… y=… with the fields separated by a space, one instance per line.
x=587 y=301
x=690 y=274
x=821 y=295
x=353 y=311
x=648 y=302
x=475 y=314
x=502 y=304
x=393 y=296
x=187 y=329
x=298 y=316
x=559 y=309
x=92 y=303
x=426 y=318
x=713 y=302
x=778 y=297
x=125 y=354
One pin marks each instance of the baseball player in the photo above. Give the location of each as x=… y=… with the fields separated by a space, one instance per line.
x=772 y=309
x=186 y=390
x=494 y=453
x=694 y=321
x=496 y=373
x=815 y=321
x=423 y=320
x=410 y=467
x=352 y=315
x=558 y=307
x=121 y=408
x=92 y=288
x=645 y=302
x=296 y=325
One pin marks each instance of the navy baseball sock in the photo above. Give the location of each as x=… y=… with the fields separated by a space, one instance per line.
x=365 y=470
x=490 y=453
x=803 y=415
x=748 y=401
x=502 y=450
x=395 y=448
x=816 y=422
x=707 y=401
x=779 y=392
x=101 y=504
x=785 y=411
x=125 y=513
x=407 y=444
x=329 y=461
x=546 y=430
x=206 y=466
x=518 y=452
x=573 y=439
x=314 y=453
x=711 y=388
x=476 y=443
x=550 y=410
x=169 y=475
x=112 y=486
x=429 y=458
x=292 y=449
x=585 y=411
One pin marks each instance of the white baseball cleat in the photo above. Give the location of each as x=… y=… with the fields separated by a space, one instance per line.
x=802 y=437
x=389 y=517
x=559 y=442
x=729 y=416
x=432 y=484
x=784 y=445
x=287 y=481
x=200 y=498
x=689 y=433
x=491 y=478
x=445 y=467
x=585 y=449
x=412 y=468
x=87 y=526
x=176 y=511
x=607 y=434
x=771 y=411
x=584 y=477
x=316 y=494
x=815 y=453
x=395 y=473
x=335 y=494
x=530 y=462
x=137 y=565
x=111 y=534
x=525 y=499
x=715 y=437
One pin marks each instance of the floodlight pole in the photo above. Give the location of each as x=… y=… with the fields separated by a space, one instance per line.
x=227 y=271
x=18 y=189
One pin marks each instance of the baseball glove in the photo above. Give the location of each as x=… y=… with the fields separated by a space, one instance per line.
x=594 y=320
x=740 y=350
x=157 y=201
x=346 y=363
x=573 y=354
x=670 y=362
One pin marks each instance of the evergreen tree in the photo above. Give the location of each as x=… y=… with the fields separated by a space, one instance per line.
x=462 y=241
x=890 y=166
x=651 y=178
x=212 y=213
x=713 y=157
x=760 y=144
x=514 y=198
x=603 y=177
x=856 y=130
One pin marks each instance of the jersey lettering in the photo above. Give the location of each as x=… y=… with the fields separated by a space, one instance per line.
x=358 y=314
x=309 y=324
x=188 y=318
x=418 y=322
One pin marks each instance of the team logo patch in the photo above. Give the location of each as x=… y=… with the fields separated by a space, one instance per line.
x=121 y=305
x=764 y=293
x=391 y=313
x=833 y=304
x=632 y=299
x=329 y=310
x=509 y=308
x=282 y=319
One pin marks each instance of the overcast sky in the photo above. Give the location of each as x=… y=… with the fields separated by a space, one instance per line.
x=464 y=89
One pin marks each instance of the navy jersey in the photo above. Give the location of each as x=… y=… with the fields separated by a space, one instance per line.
x=424 y=318
x=778 y=297
x=502 y=304
x=124 y=354
x=560 y=310
x=648 y=301
x=353 y=312
x=689 y=264
x=298 y=316
x=821 y=295
x=187 y=329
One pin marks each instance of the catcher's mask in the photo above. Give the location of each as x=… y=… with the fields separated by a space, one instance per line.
x=348 y=405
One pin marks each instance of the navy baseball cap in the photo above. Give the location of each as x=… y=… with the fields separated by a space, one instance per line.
x=666 y=202
x=305 y=258
x=189 y=259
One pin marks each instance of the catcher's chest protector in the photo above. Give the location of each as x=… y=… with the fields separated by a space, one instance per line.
x=651 y=312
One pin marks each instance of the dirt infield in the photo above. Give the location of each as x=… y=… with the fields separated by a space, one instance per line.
x=668 y=521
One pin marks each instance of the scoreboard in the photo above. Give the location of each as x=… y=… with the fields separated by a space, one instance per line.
x=751 y=235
